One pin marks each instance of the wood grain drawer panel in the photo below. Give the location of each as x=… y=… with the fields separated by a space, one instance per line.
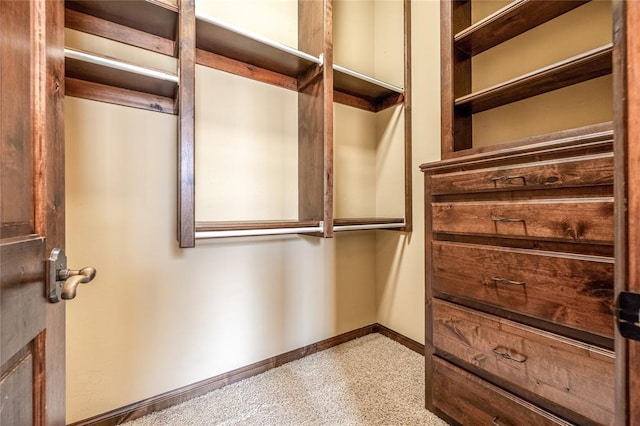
x=587 y=220
x=566 y=372
x=472 y=401
x=567 y=289
x=571 y=172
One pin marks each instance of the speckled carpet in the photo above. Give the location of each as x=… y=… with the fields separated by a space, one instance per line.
x=368 y=381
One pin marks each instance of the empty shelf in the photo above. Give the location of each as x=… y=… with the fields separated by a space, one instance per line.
x=592 y=64
x=363 y=91
x=154 y=89
x=358 y=224
x=510 y=21
x=205 y=230
x=234 y=43
x=155 y=17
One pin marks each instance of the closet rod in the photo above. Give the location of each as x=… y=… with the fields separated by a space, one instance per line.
x=201 y=235
x=368 y=79
x=258 y=38
x=115 y=64
x=338 y=228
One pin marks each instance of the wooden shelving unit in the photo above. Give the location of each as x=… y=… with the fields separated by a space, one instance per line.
x=461 y=41
x=498 y=216
x=162 y=27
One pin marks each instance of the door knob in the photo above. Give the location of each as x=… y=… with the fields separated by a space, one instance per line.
x=72 y=278
x=62 y=281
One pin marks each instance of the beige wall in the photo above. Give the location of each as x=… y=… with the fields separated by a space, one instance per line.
x=400 y=257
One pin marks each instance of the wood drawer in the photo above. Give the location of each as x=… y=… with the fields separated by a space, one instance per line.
x=588 y=220
x=472 y=401
x=568 y=289
x=566 y=372
x=593 y=170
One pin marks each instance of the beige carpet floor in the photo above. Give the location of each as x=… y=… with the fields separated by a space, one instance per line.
x=368 y=381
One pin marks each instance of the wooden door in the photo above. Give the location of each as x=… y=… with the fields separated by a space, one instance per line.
x=31 y=210
x=626 y=66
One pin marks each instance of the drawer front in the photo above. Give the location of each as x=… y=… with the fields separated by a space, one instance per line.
x=472 y=401
x=588 y=220
x=572 y=172
x=572 y=290
x=569 y=373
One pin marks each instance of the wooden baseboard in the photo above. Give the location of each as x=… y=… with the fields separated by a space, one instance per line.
x=185 y=393
x=403 y=340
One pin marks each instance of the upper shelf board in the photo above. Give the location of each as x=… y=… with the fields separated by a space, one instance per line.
x=514 y=19
x=592 y=64
x=111 y=72
x=232 y=42
x=362 y=86
x=151 y=16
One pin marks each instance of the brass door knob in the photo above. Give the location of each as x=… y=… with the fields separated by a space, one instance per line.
x=72 y=278
x=62 y=282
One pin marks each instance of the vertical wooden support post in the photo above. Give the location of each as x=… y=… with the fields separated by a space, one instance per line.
x=315 y=117
x=456 y=125
x=186 y=122
x=408 y=159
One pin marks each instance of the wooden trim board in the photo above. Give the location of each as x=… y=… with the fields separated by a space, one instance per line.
x=185 y=393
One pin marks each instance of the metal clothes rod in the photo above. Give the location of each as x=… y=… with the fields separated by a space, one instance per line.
x=201 y=235
x=338 y=228
x=123 y=66
x=258 y=38
x=368 y=79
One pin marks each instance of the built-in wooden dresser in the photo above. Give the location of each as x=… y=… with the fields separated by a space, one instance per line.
x=519 y=282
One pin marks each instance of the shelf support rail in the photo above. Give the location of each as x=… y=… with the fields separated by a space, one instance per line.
x=365 y=227
x=202 y=235
x=119 y=65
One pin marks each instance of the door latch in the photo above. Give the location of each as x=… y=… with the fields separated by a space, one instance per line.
x=628 y=315
x=63 y=282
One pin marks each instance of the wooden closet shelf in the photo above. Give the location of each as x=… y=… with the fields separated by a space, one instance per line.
x=592 y=139
x=108 y=71
x=589 y=65
x=108 y=80
x=356 y=224
x=155 y=17
x=361 y=91
x=510 y=21
x=231 y=42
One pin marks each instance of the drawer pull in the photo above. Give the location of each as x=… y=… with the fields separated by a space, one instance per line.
x=505 y=219
x=508 y=179
x=495 y=421
x=509 y=354
x=502 y=280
